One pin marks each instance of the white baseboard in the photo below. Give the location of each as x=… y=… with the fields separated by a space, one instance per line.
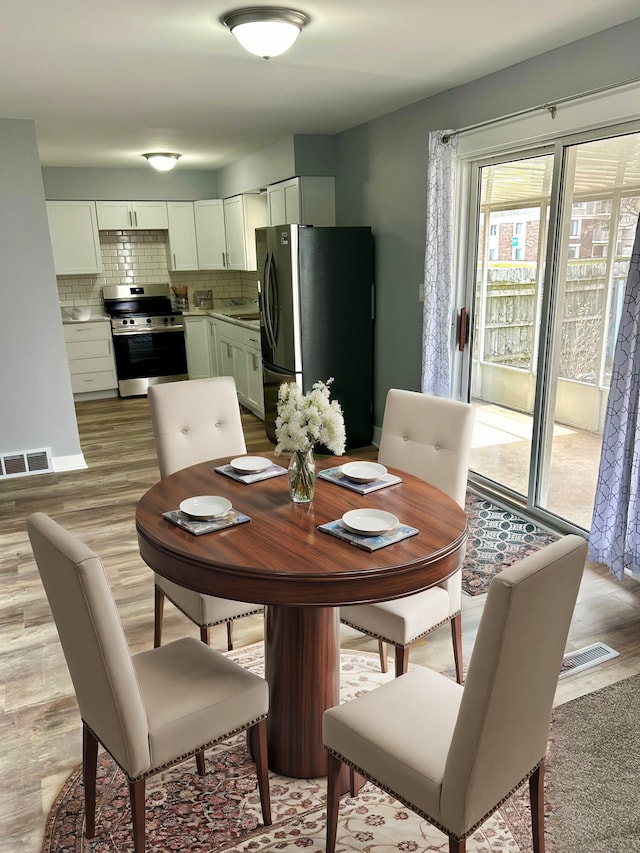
x=68 y=463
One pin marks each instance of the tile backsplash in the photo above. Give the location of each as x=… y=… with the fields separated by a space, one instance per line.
x=140 y=257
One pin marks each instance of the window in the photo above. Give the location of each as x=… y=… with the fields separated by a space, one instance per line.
x=493 y=230
x=576 y=227
x=518 y=228
x=518 y=254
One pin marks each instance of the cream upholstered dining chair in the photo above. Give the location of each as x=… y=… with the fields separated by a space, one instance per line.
x=195 y=420
x=431 y=438
x=454 y=754
x=149 y=710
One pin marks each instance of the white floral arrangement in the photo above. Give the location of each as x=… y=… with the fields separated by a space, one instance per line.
x=305 y=420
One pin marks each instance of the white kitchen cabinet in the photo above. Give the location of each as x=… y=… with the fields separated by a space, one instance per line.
x=75 y=241
x=210 y=234
x=196 y=338
x=242 y=215
x=304 y=201
x=90 y=356
x=131 y=215
x=239 y=356
x=183 y=247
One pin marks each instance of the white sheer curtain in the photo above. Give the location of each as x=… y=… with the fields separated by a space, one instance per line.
x=615 y=527
x=438 y=265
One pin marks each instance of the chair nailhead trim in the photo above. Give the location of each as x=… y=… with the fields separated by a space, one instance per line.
x=411 y=641
x=423 y=814
x=184 y=757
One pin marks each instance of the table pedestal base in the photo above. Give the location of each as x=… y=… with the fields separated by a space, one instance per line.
x=302 y=656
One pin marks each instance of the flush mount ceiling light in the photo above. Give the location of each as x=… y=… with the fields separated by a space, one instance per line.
x=265 y=31
x=162 y=161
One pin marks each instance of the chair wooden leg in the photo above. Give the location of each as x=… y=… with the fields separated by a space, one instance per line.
x=136 y=796
x=157 y=616
x=402 y=660
x=205 y=635
x=382 y=651
x=457 y=846
x=334 y=768
x=200 y=763
x=230 y=635
x=456 y=636
x=89 y=769
x=258 y=737
x=536 y=798
x=356 y=781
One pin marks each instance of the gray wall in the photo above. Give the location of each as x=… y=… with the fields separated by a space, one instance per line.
x=382 y=170
x=35 y=389
x=144 y=184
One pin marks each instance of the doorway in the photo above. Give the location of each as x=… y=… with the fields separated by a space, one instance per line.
x=553 y=232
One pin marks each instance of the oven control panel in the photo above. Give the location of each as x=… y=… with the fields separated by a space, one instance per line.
x=146 y=323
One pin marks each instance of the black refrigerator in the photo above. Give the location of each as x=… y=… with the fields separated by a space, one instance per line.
x=316 y=298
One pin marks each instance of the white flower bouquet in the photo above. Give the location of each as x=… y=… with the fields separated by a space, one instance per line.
x=305 y=420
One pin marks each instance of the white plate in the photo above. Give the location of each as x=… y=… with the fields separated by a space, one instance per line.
x=363 y=472
x=205 y=506
x=250 y=464
x=369 y=522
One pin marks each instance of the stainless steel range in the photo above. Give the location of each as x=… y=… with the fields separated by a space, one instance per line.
x=148 y=336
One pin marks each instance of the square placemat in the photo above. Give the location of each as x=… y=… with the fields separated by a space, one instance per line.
x=369 y=543
x=335 y=475
x=198 y=527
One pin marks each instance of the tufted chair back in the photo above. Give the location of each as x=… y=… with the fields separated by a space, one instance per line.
x=195 y=420
x=429 y=437
x=93 y=642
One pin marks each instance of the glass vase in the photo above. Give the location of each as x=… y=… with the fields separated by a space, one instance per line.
x=302 y=476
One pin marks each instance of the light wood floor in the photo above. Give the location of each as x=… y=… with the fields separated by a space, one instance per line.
x=39 y=723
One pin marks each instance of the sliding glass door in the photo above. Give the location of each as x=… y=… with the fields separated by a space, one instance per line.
x=553 y=236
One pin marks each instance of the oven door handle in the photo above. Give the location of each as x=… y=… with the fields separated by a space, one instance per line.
x=133 y=332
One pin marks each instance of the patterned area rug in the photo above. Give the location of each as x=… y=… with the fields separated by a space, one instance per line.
x=221 y=811
x=497 y=539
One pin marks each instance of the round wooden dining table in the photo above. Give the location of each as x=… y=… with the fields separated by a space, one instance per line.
x=282 y=560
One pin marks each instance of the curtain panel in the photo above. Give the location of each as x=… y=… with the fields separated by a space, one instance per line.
x=615 y=527
x=438 y=265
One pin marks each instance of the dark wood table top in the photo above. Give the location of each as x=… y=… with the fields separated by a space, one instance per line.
x=280 y=557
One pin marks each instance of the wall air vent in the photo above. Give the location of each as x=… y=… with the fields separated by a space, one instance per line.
x=587 y=657
x=21 y=463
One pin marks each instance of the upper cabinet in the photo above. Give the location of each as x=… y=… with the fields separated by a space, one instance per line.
x=183 y=248
x=116 y=215
x=242 y=215
x=302 y=201
x=75 y=242
x=210 y=234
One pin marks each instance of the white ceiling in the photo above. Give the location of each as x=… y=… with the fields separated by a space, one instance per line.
x=107 y=81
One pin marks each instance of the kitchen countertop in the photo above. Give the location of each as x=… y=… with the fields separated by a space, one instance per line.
x=229 y=314
x=94 y=318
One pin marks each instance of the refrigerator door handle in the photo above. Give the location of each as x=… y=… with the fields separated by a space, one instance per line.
x=268 y=300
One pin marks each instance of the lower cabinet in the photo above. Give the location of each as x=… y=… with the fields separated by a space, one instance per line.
x=239 y=356
x=218 y=348
x=90 y=355
x=199 y=332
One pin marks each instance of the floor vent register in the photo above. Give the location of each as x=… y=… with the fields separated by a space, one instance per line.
x=585 y=658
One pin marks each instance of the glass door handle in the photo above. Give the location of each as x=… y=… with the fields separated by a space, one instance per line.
x=463 y=329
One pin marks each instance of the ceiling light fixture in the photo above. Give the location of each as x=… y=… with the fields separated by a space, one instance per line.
x=162 y=161
x=265 y=31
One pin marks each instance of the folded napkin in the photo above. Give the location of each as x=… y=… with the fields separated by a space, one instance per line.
x=197 y=526
x=369 y=543
x=272 y=471
x=335 y=475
